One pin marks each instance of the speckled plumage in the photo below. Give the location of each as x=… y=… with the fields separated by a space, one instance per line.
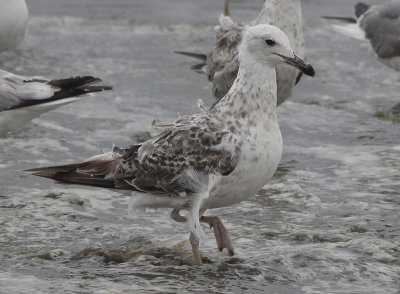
x=208 y=160
x=221 y=65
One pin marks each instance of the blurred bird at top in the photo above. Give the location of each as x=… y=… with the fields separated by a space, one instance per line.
x=221 y=65
x=378 y=26
x=13 y=23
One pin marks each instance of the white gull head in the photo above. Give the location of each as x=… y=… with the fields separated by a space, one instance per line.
x=268 y=45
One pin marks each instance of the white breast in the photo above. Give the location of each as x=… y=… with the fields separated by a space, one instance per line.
x=258 y=163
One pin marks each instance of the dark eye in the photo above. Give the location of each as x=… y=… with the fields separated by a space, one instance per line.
x=270 y=42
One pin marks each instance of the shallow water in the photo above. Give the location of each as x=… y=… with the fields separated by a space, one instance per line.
x=328 y=222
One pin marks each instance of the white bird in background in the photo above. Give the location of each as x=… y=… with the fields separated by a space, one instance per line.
x=24 y=98
x=378 y=26
x=208 y=160
x=13 y=23
x=221 y=64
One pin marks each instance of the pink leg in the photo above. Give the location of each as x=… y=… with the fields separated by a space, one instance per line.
x=194 y=240
x=220 y=232
x=177 y=217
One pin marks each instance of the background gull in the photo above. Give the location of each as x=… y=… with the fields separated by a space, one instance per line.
x=379 y=25
x=208 y=160
x=13 y=23
x=221 y=65
x=24 y=98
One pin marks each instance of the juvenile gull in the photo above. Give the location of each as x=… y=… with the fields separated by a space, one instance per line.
x=221 y=65
x=379 y=25
x=208 y=160
x=13 y=23
x=24 y=98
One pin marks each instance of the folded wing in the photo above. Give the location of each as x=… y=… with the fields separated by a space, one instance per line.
x=175 y=161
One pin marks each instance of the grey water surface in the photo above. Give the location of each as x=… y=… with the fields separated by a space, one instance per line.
x=328 y=222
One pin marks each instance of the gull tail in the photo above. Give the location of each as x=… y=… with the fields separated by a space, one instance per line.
x=199 y=67
x=349 y=27
x=71 y=174
x=62 y=90
x=196 y=55
x=348 y=19
x=360 y=9
x=75 y=86
x=97 y=171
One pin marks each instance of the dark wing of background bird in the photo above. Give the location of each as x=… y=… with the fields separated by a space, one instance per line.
x=382 y=27
x=18 y=91
x=164 y=164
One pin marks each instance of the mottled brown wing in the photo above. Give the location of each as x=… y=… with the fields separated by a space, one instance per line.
x=224 y=50
x=175 y=161
x=166 y=163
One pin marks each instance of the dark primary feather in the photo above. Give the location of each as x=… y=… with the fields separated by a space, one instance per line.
x=159 y=165
x=197 y=55
x=361 y=8
x=198 y=67
x=62 y=88
x=382 y=27
x=343 y=18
